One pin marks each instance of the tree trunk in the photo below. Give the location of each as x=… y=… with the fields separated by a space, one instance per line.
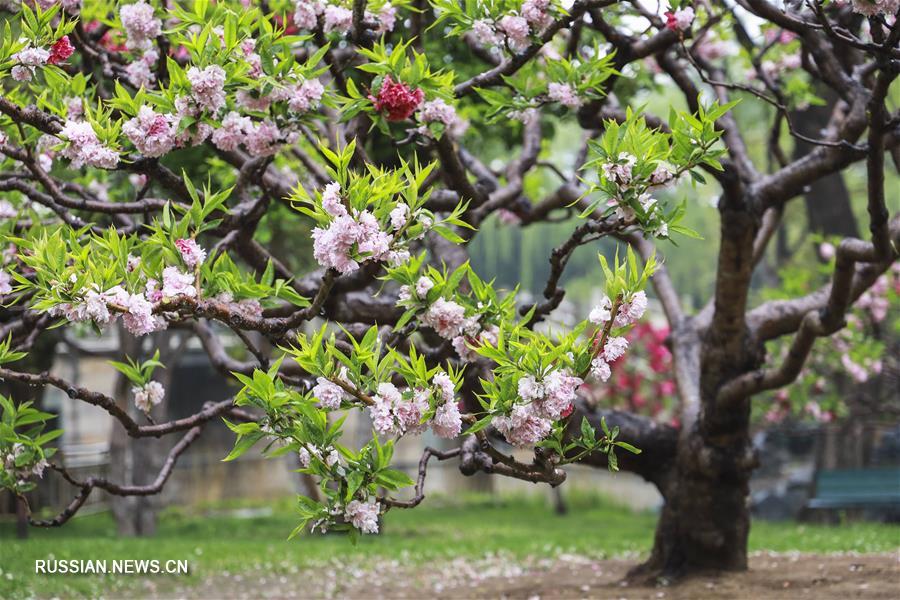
x=705 y=518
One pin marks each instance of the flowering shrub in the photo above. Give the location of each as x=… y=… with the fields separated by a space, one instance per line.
x=833 y=380
x=164 y=165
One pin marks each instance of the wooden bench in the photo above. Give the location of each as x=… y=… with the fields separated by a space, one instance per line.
x=857 y=488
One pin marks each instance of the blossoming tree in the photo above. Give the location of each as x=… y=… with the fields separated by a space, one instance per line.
x=146 y=145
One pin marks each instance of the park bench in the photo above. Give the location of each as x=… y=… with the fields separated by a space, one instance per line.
x=857 y=488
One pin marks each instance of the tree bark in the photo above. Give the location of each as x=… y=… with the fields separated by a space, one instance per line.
x=705 y=520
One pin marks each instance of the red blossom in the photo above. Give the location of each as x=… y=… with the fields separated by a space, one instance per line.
x=60 y=50
x=397 y=100
x=671 y=23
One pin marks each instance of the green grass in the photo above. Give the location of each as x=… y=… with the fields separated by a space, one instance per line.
x=214 y=540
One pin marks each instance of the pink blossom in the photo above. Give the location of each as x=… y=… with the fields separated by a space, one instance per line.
x=263 y=139
x=96 y=307
x=148 y=396
x=306 y=96
x=392 y=414
x=827 y=251
x=175 y=283
x=437 y=111
x=447 y=421
x=139 y=320
x=140 y=24
x=191 y=252
x=522 y=427
x=232 y=132
x=601 y=313
x=530 y=389
x=7 y=210
x=564 y=94
x=27 y=60
x=661 y=175
x=516 y=30
x=21 y=73
x=363 y=515
x=5 y=283
x=84 y=147
x=618 y=172
x=332 y=247
x=535 y=12
x=72 y=6
x=445 y=386
x=337 y=18
x=305 y=13
x=329 y=394
x=423 y=286
x=387 y=18
x=140 y=72
x=399 y=215
x=74 y=108
x=208 y=87
x=247 y=100
x=632 y=310
x=559 y=394
x=713 y=49
x=303 y=457
x=32 y=57
x=600 y=369
x=446 y=317
x=483 y=30
x=410 y=413
x=680 y=20
x=855 y=370
x=151 y=133
x=373 y=243
x=332 y=203
x=614 y=348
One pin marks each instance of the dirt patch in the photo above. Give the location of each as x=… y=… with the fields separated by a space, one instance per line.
x=775 y=576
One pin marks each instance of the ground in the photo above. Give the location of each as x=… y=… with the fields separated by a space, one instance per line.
x=453 y=548
x=771 y=576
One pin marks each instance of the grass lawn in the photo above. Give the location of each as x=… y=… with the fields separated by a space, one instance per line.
x=221 y=539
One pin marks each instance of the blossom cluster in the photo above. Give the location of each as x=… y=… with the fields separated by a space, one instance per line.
x=393 y=414
x=680 y=19
x=629 y=311
x=548 y=399
x=155 y=134
x=355 y=236
x=23 y=472
x=136 y=309
x=516 y=28
x=30 y=58
x=85 y=148
x=629 y=189
x=448 y=319
x=363 y=515
x=335 y=18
